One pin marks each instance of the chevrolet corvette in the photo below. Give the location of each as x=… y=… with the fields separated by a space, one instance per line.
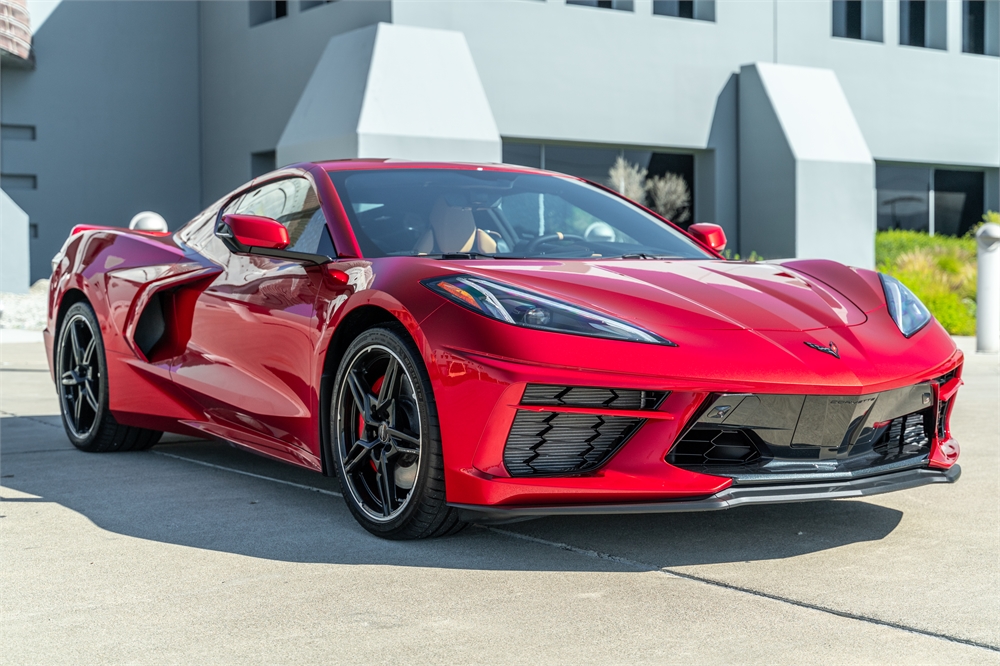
x=470 y=343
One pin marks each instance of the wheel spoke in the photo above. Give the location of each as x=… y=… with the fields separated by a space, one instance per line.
x=89 y=351
x=400 y=435
x=77 y=404
x=387 y=390
x=358 y=454
x=75 y=342
x=362 y=397
x=88 y=390
x=69 y=379
x=385 y=486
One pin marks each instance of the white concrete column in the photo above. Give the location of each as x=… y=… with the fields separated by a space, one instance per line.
x=15 y=269
x=988 y=289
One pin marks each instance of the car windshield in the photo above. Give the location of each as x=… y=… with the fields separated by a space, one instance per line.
x=503 y=214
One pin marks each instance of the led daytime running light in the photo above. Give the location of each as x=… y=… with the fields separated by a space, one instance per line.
x=527 y=309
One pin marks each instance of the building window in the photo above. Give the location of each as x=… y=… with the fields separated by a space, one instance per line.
x=858 y=19
x=17 y=181
x=623 y=5
x=903 y=198
x=923 y=23
x=262 y=162
x=17 y=132
x=309 y=4
x=595 y=163
x=981 y=27
x=703 y=10
x=935 y=201
x=958 y=201
x=262 y=11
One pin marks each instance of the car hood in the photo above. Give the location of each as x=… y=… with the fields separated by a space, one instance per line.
x=709 y=295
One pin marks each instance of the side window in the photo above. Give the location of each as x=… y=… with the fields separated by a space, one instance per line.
x=294 y=203
x=198 y=234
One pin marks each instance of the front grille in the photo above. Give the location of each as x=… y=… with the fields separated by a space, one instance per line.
x=587 y=396
x=905 y=436
x=554 y=443
x=759 y=438
x=714 y=446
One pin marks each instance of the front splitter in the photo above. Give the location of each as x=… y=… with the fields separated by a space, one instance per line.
x=730 y=497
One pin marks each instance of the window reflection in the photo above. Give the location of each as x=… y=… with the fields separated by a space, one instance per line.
x=903 y=197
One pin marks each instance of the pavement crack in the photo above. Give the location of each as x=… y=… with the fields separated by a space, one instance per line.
x=30 y=418
x=21 y=453
x=642 y=566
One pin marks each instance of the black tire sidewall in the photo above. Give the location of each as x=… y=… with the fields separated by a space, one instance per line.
x=87 y=311
x=430 y=439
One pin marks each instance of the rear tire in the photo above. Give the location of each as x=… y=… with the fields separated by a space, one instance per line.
x=82 y=381
x=386 y=439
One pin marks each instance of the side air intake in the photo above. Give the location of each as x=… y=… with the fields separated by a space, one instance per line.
x=552 y=443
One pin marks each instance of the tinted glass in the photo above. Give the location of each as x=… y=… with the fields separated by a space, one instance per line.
x=293 y=203
x=441 y=211
x=903 y=197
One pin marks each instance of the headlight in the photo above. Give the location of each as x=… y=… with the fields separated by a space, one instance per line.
x=905 y=308
x=530 y=310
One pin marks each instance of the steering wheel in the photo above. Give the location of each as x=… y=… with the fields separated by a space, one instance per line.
x=548 y=238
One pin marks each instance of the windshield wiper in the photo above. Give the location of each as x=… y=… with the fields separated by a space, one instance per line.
x=463 y=255
x=642 y=255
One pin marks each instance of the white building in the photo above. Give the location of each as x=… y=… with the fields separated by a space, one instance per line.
x=800 y=125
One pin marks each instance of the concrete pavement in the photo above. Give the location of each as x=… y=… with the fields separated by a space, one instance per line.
x=198 y=551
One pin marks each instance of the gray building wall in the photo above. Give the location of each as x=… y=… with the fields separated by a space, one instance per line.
x=114 y=103
x=252 y=78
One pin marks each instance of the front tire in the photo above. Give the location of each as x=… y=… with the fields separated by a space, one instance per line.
x=386 y=440
x=82 y=381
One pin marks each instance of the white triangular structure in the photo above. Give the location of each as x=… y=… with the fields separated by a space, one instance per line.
x=807 y=177
x=15 y=271
x=395 y=92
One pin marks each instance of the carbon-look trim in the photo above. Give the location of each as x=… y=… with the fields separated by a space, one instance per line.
x=730 y=497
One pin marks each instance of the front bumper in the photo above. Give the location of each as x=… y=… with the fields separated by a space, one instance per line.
x=480 y=370
x=730 y=497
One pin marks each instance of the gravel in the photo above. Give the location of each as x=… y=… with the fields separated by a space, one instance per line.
x=25 y=311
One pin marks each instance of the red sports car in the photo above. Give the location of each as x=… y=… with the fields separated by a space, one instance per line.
x=463 y=342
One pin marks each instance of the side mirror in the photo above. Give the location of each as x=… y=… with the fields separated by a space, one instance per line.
x=254 y=231
x=711 y=235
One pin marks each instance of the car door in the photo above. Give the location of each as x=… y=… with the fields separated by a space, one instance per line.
x=252 y=351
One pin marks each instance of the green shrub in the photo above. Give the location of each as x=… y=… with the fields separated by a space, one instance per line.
x=940 y=270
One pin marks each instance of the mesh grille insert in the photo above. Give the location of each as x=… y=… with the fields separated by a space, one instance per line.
x=545 y=443
x=906 y=436
x=586 y=396
x=714 y=446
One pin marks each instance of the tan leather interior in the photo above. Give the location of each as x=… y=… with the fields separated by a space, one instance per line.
x=453 y=229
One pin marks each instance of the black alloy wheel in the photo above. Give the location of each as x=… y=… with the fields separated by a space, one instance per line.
x=80 y=376
x=81 y=379
x=386 y=441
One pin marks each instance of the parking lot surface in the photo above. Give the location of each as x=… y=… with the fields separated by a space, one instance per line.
x=198 y=551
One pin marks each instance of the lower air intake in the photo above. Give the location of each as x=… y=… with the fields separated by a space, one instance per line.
x=905 y=436
x=550 y=443
x=714 y=446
